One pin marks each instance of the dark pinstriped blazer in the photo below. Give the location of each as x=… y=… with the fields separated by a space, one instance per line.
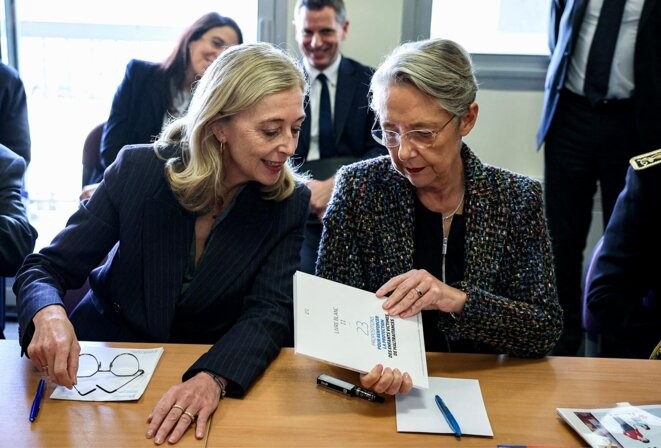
x=239 y=298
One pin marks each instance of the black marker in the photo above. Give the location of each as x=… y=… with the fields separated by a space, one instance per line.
x=348 y=388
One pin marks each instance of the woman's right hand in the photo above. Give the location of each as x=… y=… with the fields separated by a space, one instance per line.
x=387 y=380
x=54 y=347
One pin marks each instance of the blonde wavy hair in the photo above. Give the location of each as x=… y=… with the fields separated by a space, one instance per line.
x=236 y=81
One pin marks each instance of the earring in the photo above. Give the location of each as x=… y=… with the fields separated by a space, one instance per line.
x=222 y=147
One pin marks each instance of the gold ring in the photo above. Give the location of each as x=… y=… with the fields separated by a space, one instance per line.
x=45 y=368
x=189 y=415
x=176 y=406
x=420 y=293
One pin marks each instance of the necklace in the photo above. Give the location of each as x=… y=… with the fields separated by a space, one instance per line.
x=456 y=209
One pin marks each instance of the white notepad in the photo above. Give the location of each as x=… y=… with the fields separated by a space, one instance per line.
x=418 y=412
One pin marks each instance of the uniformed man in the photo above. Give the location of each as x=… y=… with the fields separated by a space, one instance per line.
x=625 y=284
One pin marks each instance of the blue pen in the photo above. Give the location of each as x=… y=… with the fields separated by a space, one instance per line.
x=449 y=417
x=37 y=400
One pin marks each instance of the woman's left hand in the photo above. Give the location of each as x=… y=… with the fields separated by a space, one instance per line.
x=191 y=402
x=418 y=290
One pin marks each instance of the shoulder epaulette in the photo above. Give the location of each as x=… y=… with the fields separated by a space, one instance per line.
x=646 y=160
x=656 y=353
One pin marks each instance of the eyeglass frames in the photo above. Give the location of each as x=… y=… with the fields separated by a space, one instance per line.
x=419 y=137
x=122 y=365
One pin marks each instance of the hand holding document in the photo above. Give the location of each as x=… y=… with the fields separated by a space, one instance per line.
x=111 y=374
x=348 y=327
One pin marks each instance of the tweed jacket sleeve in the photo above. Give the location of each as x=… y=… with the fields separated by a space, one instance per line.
x=512 y=300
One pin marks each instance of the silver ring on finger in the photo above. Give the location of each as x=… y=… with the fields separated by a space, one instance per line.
x=420 y=293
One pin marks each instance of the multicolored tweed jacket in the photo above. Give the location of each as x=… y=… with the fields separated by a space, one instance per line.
x=512 y=300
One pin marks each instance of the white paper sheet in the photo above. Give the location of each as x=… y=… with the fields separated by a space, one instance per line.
x=148 y=359
x=417 y=411
x=346 y=326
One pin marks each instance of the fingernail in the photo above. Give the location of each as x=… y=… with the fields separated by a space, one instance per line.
x=158 y=440
x=150 y=434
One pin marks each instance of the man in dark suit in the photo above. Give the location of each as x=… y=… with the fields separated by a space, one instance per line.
x=17 y=236
x=321 y=26
x=600 y=109
x=14 y=128
x=624 y=287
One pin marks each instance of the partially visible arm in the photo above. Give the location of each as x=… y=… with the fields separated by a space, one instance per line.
x=17 y=236
x=626 y=263
x=515 y=307
x=14 y=127
x=321 y=193
x=89 y=235
x=339 y=254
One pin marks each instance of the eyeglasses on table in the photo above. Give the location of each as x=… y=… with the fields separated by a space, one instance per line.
x=123 y=365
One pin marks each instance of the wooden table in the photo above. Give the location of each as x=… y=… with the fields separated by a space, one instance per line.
x=285 y=408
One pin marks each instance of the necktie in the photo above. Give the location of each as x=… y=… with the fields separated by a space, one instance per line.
x=325 y=120
x=600 y=58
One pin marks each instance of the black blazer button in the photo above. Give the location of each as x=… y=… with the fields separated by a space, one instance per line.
x=116 y=307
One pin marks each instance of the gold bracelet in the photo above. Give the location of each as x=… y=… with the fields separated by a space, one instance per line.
x=218 y=381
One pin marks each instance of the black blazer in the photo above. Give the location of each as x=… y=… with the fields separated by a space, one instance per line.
x=566 y=19
x=239 y=298
x=352 y=120
x=14 y=127
x=17 y=236
x=137 y=111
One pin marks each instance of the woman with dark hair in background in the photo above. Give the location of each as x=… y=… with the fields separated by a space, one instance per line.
x=151 y=94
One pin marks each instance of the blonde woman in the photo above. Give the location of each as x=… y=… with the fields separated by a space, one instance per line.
x=204 y=230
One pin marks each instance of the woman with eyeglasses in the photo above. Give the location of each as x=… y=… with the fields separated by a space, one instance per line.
x=202 y=232
x=432 y=229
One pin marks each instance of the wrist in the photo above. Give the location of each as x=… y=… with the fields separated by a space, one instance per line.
x=221 y=382
x=49 y=312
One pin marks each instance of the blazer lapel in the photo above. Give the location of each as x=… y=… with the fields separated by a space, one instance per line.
x=168 y=232
x=346 y=86
x=644 y=15
x=235 y=241
x=158 y=100
x=482 y=203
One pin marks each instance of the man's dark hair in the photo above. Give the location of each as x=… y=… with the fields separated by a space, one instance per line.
x=316 y=5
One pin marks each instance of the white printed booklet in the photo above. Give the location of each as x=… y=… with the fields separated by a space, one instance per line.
x=348 y=327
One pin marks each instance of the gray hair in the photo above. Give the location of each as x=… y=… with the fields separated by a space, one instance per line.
x=439 y=68
x=316 y=5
